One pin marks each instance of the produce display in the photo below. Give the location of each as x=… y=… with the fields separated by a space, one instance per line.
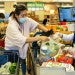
x=64 y=59
x=55 y=54
x=56 y=28
x=3 y=27
x=68 y=67
x=49 y=52
x=8 y=68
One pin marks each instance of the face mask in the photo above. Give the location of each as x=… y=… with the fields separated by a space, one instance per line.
x=1 y=20
x=22 y=20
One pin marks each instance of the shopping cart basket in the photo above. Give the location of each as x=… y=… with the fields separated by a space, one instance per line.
x=10 y=56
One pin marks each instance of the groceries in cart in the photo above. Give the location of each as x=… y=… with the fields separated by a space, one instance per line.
x=48 y=51
x=8 y=68
x=9 y=62
x=49 y=48
x=37 y=44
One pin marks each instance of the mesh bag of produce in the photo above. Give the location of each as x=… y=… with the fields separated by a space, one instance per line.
x=49 y=48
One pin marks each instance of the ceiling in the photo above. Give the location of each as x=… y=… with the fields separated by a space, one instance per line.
x=40 y=0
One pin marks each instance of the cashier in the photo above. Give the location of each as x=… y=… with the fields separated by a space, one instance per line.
x=17 y=33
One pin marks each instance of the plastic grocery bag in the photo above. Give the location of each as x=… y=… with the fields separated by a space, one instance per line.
x=49 y=48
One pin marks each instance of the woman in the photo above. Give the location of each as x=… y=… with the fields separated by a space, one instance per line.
x=17 y=33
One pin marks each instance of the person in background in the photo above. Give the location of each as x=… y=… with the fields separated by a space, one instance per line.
x=2 y=16
x=46 y=20
x=17 y=33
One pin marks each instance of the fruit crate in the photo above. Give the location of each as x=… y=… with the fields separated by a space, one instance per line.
x=10 y=56
x=51 y=71
x=39 y=70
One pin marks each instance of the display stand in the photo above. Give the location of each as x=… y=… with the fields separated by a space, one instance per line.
x=36 y=69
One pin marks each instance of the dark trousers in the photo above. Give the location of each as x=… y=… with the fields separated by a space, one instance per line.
x=23 y=66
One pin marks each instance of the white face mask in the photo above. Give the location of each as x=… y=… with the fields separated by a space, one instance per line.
x=22 y=20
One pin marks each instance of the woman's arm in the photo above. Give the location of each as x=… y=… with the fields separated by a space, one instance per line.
x=40 y=38
x=43 y=28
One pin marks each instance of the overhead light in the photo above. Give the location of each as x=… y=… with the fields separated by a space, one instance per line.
x=47 y=7
x=52 y=11
x=2 y=11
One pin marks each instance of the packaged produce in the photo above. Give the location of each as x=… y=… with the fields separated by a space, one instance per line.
x=5 y=68
x=12 y=68
x=64 y=59
x=49 y=48
x=8 y=68
x=68 y=67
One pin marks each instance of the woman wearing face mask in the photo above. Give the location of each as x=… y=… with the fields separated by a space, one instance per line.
x=17 y=33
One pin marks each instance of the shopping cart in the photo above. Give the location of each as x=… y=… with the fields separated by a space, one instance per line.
x=39 y=70
x=36 y=45
x=10 y=56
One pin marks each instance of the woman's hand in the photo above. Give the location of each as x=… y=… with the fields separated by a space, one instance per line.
x=37 y=38
x=44 y=38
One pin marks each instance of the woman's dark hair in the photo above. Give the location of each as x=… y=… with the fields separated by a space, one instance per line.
x=19 y=8
x=11 y=13
x=2 y=15
x=17 y=11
